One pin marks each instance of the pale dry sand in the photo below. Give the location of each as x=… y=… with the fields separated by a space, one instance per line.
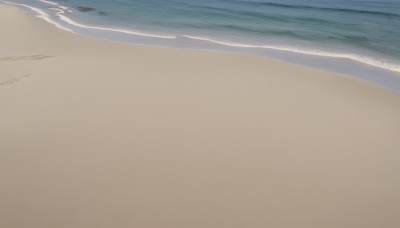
x=99 y=134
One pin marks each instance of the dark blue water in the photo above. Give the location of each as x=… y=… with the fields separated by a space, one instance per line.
x=359 y=38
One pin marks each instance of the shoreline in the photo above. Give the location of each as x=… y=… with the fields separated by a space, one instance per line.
x=104 y=134
x=352 y=65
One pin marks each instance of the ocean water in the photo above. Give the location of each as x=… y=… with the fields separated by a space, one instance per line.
x=359 y=38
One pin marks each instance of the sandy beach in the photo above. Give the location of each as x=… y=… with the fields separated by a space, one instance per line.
x=96 y=134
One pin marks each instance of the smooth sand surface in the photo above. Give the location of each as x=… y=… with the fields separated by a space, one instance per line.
x=100 y=134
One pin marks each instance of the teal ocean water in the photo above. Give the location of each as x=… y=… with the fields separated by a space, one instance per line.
x=360 y=38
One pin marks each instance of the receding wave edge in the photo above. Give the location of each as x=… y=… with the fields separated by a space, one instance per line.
x=62 y=9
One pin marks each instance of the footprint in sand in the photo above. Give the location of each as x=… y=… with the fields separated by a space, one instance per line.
x=27 y=57
x=13 y=80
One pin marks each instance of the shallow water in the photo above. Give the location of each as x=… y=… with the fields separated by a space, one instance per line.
x=354 y=37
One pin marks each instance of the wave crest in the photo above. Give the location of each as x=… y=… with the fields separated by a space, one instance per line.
x=40 y=14
x=359 y=58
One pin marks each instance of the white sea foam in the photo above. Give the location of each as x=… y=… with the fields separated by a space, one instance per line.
x=68 y=20
x=130 y=32
x=40 y=14
x=48 y=2
x=59 y=11
x=56 y=4
x=359 y=58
